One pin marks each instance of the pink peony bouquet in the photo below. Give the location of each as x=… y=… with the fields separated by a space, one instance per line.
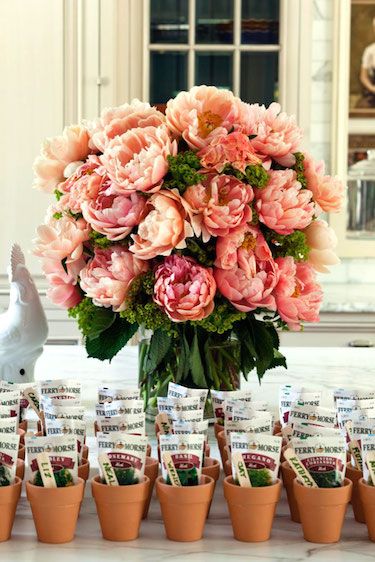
x=201 y=225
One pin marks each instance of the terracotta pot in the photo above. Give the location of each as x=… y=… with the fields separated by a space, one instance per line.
x=151 y=471
x=185 y=508
x=55 y=511
x=148 y=450
x=85 y=452
x=21 y=452
x=9 y=496
x=96 y=428
x=322 y=511
x=355 y=476
x=21 y=433
x=288 y=475
x=84 y=470
x=251 y=509
x=227 y=468
x=120 y=508
x=221 y=443
x=207 y=450
x=41 y=423
x=23 y=425
x=282 y=458
x=211 y=468
x=218 y=428
x=20 y=469
x=276 y=427
x=284 y=442
x=367 y=496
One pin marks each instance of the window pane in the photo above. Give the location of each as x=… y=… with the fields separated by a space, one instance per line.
x=260 y=21
x=168 y=75
x=214 y=69
x=169 y=21
x=259 y=77
x=214 y=21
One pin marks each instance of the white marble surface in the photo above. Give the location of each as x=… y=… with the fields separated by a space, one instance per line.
x=328 y=367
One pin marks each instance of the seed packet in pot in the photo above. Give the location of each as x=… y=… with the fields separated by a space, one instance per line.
x=8 y=457
x=186 y=454
x=108 y=394
x=324 y=458
x=367 y=446
x=119 y=408
x=68 y=427
x=62 y=451
x=8 y=425
x=218 y=398
x=132 y=423
x=126 y=453
x=317 y=415
x=262 y=424
x=261 y=456
x=61 y=389
x=10 y=401
x=53 y=412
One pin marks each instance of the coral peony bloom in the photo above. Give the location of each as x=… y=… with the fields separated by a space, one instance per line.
x=276 y=133
x=328 y=191
x=108 y=275
x=83 y=185
x=61 y=239
x=115 y=121
x=250 y=285
x=298 y=295
x=322 y=240
x=57 y=153
x=283 y=205
x=137 y=160
x=242 y=246
x=197 y=115
x=184 y=289
x=114 y=215
x=63 y=289
x=163 y=228
x=218 y=204
x=233 y=148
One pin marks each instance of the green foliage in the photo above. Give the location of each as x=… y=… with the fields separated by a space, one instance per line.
x=99 y=240
x=204 y=253
x=187 y=477
x=256 y=175
x=289 y=245
x=58 y=194
x=57 y=216
x=259 y=477
x=5 y=476
x=140 y=307
x=222 y=319
x=126 y=476
x=183 y=171
x=63 y=478
x=92 y=320
x=109 y=342
x=229 y=170
x=299 y=168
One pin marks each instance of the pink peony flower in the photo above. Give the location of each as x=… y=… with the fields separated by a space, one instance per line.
x=277 y=134
x=328 y=191
x=163 y=228
x=184 y=289
x=137 y=160
x=63 y=289
x=57 y=153
x=243 y=246
x=233 y=148
x=83 y=185
x=218 y=204
x=198 y=114
x=108 y=275
x=114 y=215
x=62 y=239
x=298 y=296
x=115 y=121
x=249 y=286
x=322 y=240
x=283 y=205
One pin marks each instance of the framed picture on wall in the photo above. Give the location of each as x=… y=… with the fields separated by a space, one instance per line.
x=362 y=59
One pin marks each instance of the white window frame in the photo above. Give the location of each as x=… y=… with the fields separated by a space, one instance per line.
x=347 y=247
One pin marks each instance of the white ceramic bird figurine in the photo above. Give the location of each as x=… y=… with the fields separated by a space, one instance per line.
x=23 y=327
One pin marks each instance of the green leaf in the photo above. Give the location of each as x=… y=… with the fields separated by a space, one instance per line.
x=160 y=344
x=263 y=345
x=109 y=342
x=278 y=360
x=100 y=321
x=196 y=364
x=183 y=362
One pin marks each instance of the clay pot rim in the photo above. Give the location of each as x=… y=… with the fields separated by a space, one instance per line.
x=228 y=482
x=205 y=482
x=311 y=492
x=84 y=461
x=362 y=482
x=61 y=490
x=17 y=482
x=151 y=461
x=96 y=481
x=215 y=462
x=351 y=467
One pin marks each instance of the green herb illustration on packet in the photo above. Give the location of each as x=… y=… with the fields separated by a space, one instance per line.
x=186 y=452
x=261 y=455
x=324 y=457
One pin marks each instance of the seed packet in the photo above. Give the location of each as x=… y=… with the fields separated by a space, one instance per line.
x=63 y=455
x=11 y=401
x=68 y=427
x=324 y=458
x=53 y=412
x=9 y=445
x=172 y=406
x=353 y=394
x=289 y=395
x=303 y=431
x=358 y=430
x=61 y=389
x=367 y=446
x=317 y=415
x=261 y=424
x=186 y=452
x=119 y=408
x=243 y=410
x=9 y=425
x=132 y=423
x=261 y=455
x=218 y=398
x=179 y=391
x=127 y=454
x=185 y=427
x=187 y=416
x=108 y=394
x=248 y=413
x=343 y=405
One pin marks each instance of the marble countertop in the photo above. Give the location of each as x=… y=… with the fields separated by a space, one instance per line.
x=326 y=367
